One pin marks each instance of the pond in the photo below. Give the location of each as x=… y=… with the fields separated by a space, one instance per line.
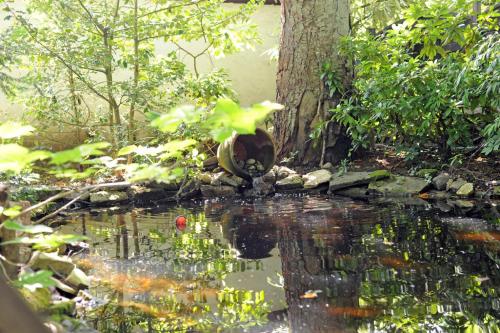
x=290 y=264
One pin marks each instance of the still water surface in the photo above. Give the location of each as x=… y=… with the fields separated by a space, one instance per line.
x=309 y=264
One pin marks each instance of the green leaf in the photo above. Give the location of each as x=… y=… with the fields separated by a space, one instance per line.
x=170 y=121
x=33 y=281
x=79 y=153
x=127 y=150
x=13 y=157
x=47 y=242
x=30 y=229
x=11 y=130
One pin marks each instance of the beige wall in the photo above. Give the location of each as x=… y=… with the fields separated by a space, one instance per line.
x=251 y=72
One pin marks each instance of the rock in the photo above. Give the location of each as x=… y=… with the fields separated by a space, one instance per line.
x=189 y=190
x=444 y=207
x=269 y=177
x=211 y=191
x=261 y=188
x=354 y=192
x=439 y=182
x=145 y=195
x=78 y=278
x=282 y=172
x=438 y=195
x=466 y=190
x=63 y=265
x=454 y=185
x=327 y=166
x=316 y=178
x=464 y=204
x=399 y=186
x=238 y=181
x=250 y=161
x=425 y=173
x=290 y=182
x=108 y=197
x=210 y=163
x=223 y=178
x=351 y=179
x=172 y=186
x=496 y=191
x=205 y=178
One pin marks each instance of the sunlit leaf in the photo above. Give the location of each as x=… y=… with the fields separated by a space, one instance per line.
x=11 y=130
x=127 y=150
x=33 y=281
x=30 y=229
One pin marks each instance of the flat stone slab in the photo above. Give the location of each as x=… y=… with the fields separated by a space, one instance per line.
x=399 y=186
x=352 y=179
x=290 y=182
x=108 y=196
x=212 y=191
x=316 y=178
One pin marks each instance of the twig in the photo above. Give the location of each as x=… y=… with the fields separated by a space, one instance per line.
x=54 y=213
x=67 y=193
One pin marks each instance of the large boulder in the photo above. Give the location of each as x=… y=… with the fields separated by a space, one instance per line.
x=399 y=186
x=293 y=181
x=351 y=179
x=316 y=178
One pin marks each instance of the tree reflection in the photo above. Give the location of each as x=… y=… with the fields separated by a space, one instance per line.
x=189 y=294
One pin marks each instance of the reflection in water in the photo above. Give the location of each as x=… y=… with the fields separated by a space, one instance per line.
x=307 y=264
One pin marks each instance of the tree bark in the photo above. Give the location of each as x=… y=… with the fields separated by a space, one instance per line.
x=311 y=32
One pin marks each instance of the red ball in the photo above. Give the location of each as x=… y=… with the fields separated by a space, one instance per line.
x=180 y=222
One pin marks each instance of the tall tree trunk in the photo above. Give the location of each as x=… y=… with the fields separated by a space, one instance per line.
x=74 y=105
x=131 y=114
x=311 y=32
x=114 y=109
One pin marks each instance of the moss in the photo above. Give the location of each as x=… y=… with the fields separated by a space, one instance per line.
x=379 y=174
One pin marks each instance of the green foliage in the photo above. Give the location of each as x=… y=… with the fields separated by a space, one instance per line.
x=33 y=281
x=29 y=229
x=219 y=122
x=412 y=88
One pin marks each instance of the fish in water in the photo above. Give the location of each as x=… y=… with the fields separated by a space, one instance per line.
x=395 y=262
x=483 y=236
x=354 y=312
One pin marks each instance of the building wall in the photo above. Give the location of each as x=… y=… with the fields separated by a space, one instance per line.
x=251 y=72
